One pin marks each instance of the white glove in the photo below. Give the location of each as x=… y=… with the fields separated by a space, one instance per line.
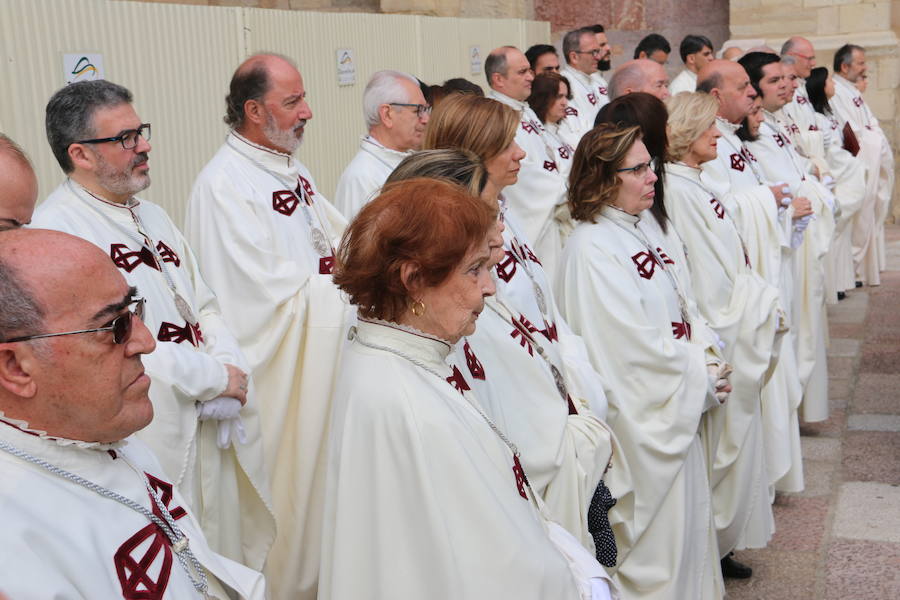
x=226 y=411
x=829 y=182
x=229 y=430
x=800 y=226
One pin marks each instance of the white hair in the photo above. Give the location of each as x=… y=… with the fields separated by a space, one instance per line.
x=384 y=88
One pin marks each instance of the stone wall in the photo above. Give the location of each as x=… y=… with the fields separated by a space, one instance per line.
x=829 y=24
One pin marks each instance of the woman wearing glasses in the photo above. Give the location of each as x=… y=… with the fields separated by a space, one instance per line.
x=618 y=291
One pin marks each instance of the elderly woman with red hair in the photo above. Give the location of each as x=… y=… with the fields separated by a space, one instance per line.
x=425 y=494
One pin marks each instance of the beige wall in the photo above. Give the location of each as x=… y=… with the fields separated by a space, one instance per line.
x=829 y=24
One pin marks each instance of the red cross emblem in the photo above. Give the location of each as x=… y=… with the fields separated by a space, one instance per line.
x=506 y=268
x=793 y=128
x=128 y=261
x=592 y=98
x=645 y=263
x=681 y=329
x=475 y=366
x=717 y=208
x=307 y=187
x=458 y=381
x=133 y=571
x=813 y=128
x=550 y=165
x=285 y=202
x=801 y=99
x=167 y=254
x=665 y=257
x=779 y=139
x=565 y=151
x=522 y=252
x=516 y=333
x=551 y=332
x=326 y=265
x=571 y=111
x=170 y=332
x=748 y=155
x=528 y=127
x=737 y=162
x=521 y=480
x=858 y=101
x=603 y=91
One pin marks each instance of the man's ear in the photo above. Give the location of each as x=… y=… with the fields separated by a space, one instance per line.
x=717 y=94
x=255 y=112
x=81 y=157
x=384 y=115
x=17 y=365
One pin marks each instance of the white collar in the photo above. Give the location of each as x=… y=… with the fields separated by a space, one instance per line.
x=511 y=102
x=614 y=213
x=405 y=340
x=727 y=126
x=25 y=431
x=272 y=160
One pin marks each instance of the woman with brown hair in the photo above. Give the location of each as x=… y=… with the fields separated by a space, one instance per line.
x=619 y=292
x=425 y=494
x=549 y=99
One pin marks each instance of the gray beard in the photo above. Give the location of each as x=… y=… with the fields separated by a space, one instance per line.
x=282 y=138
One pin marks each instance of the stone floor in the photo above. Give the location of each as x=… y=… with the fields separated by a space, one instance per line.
x=840 y=537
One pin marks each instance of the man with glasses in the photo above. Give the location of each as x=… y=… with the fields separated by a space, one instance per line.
x=18 y=186
x=266 y=237
x=584 y=54
x=87 y=508
x=538 y=198
x=206 y=431
x=396 y=114
x=798 y=57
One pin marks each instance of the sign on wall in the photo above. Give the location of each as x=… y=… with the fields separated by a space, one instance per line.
x=82 y=67
x=346 y=67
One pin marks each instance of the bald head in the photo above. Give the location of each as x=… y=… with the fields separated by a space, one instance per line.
x=18 y=186
x=732 y=53
x=82 y=385
x=729 y=84
x=803 y=53
x=640 y=75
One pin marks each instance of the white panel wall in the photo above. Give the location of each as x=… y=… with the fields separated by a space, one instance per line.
x=178 y=59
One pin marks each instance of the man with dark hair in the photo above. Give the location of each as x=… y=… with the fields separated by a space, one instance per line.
x=265 y=236
x=653 y=47
x=875 y=151
x=88 y=510
x=584 y=53
x=696 y=51
x=18 y=186
x=206 y=431
x=541 y=187
x=543 y=59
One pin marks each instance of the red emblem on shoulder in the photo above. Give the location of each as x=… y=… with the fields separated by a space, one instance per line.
x=307 y=188
x=521 y=480
x=475 y=367
x=458 y=381
x=603 y=91
x=167 y=254
x=801 y=99
x=506 y=268
x=516 y=333
x=779 y=139
x=170 y=332
x=128 y=261
x=858 y=101
x=571 y=111
x=326 y=265
x=285 y=202
x=592 y=98
x=144 y=569
x=645 y=263
x=665 y=257
x=681 y=329
x=550 y=165
x=717 y=207
x=737 y=162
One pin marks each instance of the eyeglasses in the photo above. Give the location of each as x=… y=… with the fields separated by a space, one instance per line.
x=121 y=326
x=803 y=56
x=421 y=109
x=596 y=52
x=641 y=169
x=128 y=139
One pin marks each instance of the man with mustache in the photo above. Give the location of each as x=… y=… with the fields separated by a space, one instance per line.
x=206 y=432
x=396 y=115
x=88 y=511
x=266 y=238
x=585 y=56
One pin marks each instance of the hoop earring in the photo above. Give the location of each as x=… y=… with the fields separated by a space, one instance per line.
x=417 y=307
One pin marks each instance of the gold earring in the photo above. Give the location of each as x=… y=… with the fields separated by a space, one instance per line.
x=417 y=307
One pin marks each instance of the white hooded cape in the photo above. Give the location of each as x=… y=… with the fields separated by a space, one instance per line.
x=365 y=174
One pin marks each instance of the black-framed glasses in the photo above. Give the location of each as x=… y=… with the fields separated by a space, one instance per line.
x=121 y=326
x=421 y=109
x=640 y=169
x=128 y=139
x=596 y=52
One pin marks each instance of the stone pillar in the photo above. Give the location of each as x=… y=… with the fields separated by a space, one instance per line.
x=829 y=24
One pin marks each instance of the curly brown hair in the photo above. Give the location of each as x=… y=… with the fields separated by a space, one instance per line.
x=427 y=223
x=593 y=180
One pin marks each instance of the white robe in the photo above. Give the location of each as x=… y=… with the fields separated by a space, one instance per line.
x=365 y=174
x=62 y=540
x=248 y=227
x=564 y=442
x=422 y=499
x=686 y=81
x=875 y=152
x=565 y=139
x=538 y=198
x=617 y=296
x=780 y=162
x=228 y=489
x=589 y=94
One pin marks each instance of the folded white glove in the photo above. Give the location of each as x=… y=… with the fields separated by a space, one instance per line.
x=829 y=182
x=229 y=430
x=800 y=226
x=223 y=407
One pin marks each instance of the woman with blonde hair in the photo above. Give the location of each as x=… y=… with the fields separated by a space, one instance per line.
x=533 y=374
x=618 y=291
x=746 y=313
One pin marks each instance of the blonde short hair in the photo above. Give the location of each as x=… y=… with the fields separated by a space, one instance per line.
x=690 y=114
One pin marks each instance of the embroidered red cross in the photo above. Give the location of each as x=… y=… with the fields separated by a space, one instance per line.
x=528 y=127
x=506 y=268
x=167 y=254
x=516 y=332
x=779 y=139
x=475 y=366
x=737 y=162
x=858 y=101
x=793 y=128
x=326 y=265
x=665 y=257
x=170 y=332
x=565 y=151
x=748 y=155
x=458 y=381
x=285 y=202
x=134 y=572
x=551 y=332
x=128 y=261
x=717 y=208
x=571 y=111
x=681 y=329
x=645 y=263
x=550 y=165
x=307 y=187
x=592 y=98
x=813 y=128
x=603 y=91
x=521 y=480
x=801 y=99
x=522 y=252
